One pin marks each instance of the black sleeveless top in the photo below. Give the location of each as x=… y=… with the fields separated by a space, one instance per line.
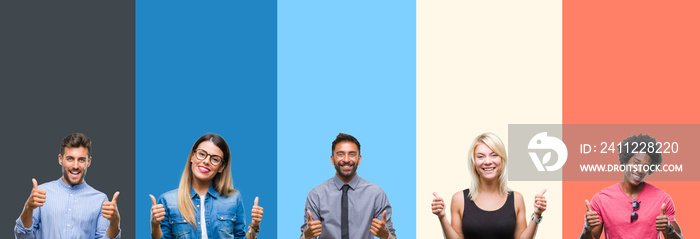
x=477 y=223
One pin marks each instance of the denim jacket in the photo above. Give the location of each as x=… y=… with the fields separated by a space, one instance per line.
x=224 y=216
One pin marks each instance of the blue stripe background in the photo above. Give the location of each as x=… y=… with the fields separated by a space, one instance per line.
x=206 y=66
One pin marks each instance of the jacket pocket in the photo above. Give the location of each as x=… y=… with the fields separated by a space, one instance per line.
x=225 y=223
x=179 y=227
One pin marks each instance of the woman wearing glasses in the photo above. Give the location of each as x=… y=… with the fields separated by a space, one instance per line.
x=205 y=184
x=487 y=209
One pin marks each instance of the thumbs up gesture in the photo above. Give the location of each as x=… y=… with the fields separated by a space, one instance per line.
x=157 y=212
x=378 y=228
x=257 y=214
x=540 y=203
x=110 y=210
x=37 y=198
x=662 y=223
x=592 y=219
x=313 y=228
x=438 y=206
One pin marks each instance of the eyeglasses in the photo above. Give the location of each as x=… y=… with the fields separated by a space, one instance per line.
x=635 y=207
x=201 y=154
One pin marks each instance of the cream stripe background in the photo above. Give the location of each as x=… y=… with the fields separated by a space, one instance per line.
x=482 y=65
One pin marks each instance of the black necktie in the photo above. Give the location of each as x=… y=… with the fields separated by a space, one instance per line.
x=345 y=232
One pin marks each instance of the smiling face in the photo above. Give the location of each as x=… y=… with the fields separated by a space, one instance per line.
x=635 y=176
x=203 y=169
x=346 y=158
x=75 y=162
x=488 y=163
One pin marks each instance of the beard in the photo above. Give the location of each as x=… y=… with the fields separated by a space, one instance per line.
x=343 y=174
x=67 y=177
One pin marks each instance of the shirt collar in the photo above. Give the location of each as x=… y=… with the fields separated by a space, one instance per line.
x=353 y=182
x=69 y=187
x=211 y=192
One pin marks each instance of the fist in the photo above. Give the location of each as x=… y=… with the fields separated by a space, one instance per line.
x=110 y=210
x=540 y=203
x=438 y=206
x=37 y=197
x=592 y=219
x=157 y=212
x=257 y=213
x=313 y=228
x=662 y=223
x=378 y=227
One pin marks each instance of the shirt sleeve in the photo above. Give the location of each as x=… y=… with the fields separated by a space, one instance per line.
x=239 y=229
x=164 y=225
x=670 y=209
x=311 y=205
x=383 y=204
x=22 y=232
x=596 y=207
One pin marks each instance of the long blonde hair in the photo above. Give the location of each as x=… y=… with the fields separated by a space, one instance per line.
x=223 y=182
x=494 y=143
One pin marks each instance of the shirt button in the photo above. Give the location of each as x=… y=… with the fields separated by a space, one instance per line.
x=68 y=209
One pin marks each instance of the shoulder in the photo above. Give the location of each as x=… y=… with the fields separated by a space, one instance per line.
x=657 y=192
x=94 y=193
x=169 y=197
x=606 y=192
x=235 y=197
x=458 y=197
x=370 y=187
x=518 y=200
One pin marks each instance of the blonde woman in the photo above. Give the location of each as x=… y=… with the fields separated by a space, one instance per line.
x=205 y=184
x=487 y=209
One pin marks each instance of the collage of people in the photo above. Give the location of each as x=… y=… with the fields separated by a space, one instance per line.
x=350 y=120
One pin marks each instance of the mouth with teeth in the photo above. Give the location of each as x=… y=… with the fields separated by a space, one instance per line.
x=74 y=173
x=203 y=169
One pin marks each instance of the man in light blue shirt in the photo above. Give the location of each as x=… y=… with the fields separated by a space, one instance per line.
x=347 y=206
x=69 y=207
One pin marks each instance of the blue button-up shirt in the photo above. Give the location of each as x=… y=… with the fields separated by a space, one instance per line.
x=224 y=216
x=69 y=212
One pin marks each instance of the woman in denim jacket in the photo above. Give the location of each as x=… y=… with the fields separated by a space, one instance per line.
x=205 y=184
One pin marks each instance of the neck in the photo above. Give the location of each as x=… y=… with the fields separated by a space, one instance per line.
x=631 y=190
x=199 y=186
x=344 y=179
x=489 y=186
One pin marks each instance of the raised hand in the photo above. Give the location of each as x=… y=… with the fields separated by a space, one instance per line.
x=313 y=228
x=257 y=214
x=540 y=203
x=110 y=210
x=438 y=205
x=662 y=223
x=592 y=219
x=37 y=198
x=157 y=212
x=378 y=227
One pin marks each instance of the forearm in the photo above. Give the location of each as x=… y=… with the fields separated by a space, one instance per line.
x=113 y=230
x=26 y=217
x=530 y=231
x=586 y=234
x=156 y=232
x=447 y=229
x=674 y=234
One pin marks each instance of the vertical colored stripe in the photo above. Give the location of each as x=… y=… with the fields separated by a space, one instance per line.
x=346 y=67
x=206 y=67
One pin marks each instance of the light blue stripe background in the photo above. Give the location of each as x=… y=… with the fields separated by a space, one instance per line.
x=346 y=66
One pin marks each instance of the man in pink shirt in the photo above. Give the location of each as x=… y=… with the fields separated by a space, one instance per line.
x=633 y=208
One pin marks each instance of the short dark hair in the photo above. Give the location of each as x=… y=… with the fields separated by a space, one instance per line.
x=345 y=138
x=626 y=149
x=76 y=140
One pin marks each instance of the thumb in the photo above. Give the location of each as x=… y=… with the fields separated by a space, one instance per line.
x=153 y=199
x=34 y=182
x=384 y=216
x=114 y=198
x=436 y=195
x=663 y=209
x=255 y=203
x=543 y=191
x=310 y=217
x=588 y=206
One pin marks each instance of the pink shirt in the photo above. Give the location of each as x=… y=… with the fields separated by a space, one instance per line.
x=615 y=209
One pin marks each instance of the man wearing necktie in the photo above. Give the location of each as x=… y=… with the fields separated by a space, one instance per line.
x=347 y=206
